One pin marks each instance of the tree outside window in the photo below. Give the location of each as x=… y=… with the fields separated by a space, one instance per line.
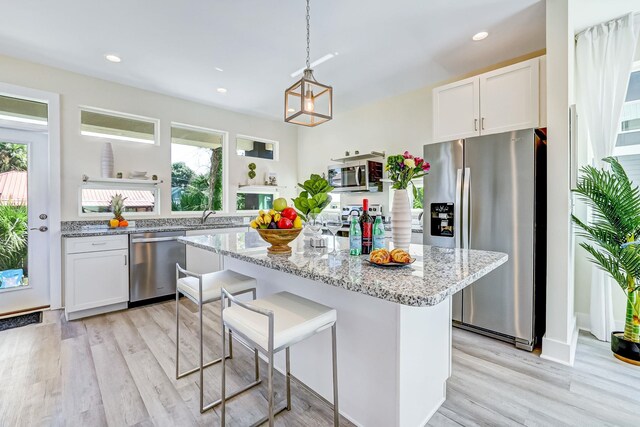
x=196 y=169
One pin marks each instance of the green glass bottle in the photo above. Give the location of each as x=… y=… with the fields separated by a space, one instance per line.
x=378 y=233
x=355 y=237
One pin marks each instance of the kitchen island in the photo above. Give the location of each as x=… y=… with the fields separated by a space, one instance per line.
x=394 y=324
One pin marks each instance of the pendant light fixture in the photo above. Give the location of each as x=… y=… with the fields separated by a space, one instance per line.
x=308 y=102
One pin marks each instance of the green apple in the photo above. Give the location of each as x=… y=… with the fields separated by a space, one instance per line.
x=280 y=204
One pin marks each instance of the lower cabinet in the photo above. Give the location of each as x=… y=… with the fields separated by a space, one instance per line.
x=201 y=261
x=96 y=275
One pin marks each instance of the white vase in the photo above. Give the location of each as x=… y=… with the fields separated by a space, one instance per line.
x=401 y=220
x=106 y=160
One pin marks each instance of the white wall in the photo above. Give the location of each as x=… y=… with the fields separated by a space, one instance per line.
x=392 y=125
x=560 y=338
x=81 y=155
x=592 y=12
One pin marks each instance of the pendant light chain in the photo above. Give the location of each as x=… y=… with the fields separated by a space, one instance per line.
x=308 y=38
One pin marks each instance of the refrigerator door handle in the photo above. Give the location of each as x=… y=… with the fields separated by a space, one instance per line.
x=466 y=216
x=457 y=210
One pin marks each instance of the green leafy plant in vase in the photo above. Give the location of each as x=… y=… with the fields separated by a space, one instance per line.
x=611 y=240
x=314 y=196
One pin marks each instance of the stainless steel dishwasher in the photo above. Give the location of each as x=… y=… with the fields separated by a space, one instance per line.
x=152 y=269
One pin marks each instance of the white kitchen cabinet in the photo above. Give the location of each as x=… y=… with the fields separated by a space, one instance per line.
x=509 y=98
x=201 y=261
x=96 y=275
x=456 y=110
x=498 y=101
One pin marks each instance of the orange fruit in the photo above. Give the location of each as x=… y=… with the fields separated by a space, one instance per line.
x=114 y=223
x=124 y=223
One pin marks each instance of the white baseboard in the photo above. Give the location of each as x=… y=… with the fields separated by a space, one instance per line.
x=584 y=322
x=560 y=351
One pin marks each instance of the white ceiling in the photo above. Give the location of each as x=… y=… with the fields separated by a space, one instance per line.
x=173 y=47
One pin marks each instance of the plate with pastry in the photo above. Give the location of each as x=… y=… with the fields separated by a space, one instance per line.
x=395 y=258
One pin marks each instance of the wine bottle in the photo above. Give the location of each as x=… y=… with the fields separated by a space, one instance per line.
x=378 y=233
x=366 y=226
x=355 y=237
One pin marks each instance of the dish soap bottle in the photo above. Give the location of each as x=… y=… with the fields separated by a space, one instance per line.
x=355 y=237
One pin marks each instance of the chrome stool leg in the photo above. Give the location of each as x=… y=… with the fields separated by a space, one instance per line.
x=288 y=378
x=334 y=353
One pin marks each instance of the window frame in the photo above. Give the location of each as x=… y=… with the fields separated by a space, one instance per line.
x=276 y=146
x=115 y=138
x=628 y=150
x=274 y=193
x=225 y=170
x=120 y=186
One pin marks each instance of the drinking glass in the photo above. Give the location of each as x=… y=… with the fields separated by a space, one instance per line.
x=334 y=225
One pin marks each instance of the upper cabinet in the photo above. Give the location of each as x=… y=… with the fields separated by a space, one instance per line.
x=498 y=101
x=456 y=110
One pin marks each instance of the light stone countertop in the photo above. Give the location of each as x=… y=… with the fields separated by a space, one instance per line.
x=436 y=274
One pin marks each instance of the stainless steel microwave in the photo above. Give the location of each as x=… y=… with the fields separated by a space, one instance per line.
x=356 y=176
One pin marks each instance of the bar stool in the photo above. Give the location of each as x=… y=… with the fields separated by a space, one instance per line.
x=203 y=289
x=273 y=324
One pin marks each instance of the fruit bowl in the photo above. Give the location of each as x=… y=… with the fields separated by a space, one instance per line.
x=279 y=239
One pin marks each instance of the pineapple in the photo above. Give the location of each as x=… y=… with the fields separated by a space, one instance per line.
x=117 y=206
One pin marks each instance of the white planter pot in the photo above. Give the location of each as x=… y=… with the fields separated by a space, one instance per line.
x=401 y=220
x=106 y=160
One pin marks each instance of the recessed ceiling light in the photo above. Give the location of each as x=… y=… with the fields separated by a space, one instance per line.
x=222 y=90
x=480 y=36
x=218 y=69
x=112 y=58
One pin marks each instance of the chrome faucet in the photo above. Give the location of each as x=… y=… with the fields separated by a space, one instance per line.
x=206 y=214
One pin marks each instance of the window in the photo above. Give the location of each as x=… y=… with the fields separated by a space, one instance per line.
x=628 y=142
x=95 y=199
x=259 y=148
x=115 y=126
x=18 y=112
x=254 y=201
x=197 y=160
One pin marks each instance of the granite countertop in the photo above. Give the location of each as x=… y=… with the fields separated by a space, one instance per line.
x=436 y=274
x=103 y=230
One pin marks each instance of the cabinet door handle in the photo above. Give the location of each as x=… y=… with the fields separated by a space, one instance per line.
x=482 y=125
x=125 y=260
x=98 y=243
x=475 y=124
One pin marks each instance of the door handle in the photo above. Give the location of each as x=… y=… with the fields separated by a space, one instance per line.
x=482 y=125
x=155 y=239
x=41 y=228
x=466 y=216
x=475 y=124
x=457 y=230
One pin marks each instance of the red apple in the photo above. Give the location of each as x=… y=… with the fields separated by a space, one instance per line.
x=289 y=213
x=285 y=223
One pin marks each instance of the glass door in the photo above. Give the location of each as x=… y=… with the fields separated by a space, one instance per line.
x=24 y=237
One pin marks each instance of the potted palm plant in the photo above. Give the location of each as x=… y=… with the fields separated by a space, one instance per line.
x=612 y=241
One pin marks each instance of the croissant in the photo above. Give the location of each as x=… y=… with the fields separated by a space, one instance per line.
x=399 y=255
x=380 y=256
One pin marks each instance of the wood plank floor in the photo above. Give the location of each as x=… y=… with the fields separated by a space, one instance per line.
x=118 y=370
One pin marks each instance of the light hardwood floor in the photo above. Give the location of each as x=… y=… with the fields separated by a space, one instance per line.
x=118 y=370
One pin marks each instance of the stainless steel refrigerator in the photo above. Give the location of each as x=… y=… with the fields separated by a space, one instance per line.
x=489 y=192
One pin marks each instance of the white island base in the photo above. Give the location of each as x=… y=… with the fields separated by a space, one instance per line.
x=393 y=359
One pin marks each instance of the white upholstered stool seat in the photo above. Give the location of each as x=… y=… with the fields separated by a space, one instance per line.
x=295 y=318
x=212 y=283
x=272 y=324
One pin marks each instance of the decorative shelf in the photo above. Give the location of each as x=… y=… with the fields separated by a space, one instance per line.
x=128 y=181
x=258 y=187
x=365 y=156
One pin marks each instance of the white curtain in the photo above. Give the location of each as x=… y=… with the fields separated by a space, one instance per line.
x=604 y=59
